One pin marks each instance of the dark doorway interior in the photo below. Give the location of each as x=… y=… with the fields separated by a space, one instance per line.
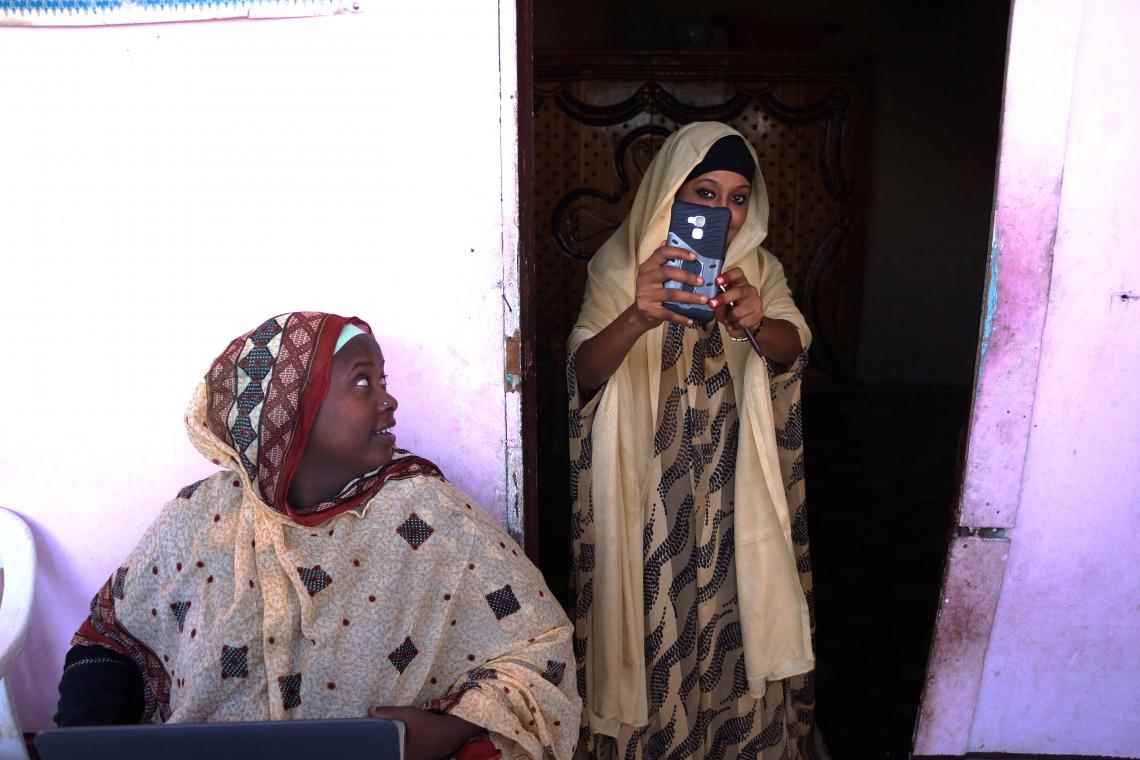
x=894 y=300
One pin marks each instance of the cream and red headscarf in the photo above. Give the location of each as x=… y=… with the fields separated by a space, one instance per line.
x=261 y=397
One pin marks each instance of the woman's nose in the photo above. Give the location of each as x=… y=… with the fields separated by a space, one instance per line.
x=389 y=403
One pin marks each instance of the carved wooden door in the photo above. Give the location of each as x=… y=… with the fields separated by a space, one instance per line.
x=599 y=120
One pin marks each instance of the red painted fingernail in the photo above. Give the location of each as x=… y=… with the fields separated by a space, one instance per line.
x=713 y=303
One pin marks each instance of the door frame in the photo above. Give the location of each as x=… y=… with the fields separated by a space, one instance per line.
x=516 y=73
x=1042 y=51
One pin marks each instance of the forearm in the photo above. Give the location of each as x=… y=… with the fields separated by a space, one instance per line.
x=600 y=356
x=99 y=687
x=779 y=341
x=451 y=733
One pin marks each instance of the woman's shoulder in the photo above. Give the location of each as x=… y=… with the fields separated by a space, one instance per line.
x=447 y=503
x=767 y=259
x=221 y=486
x=432 y=511
x=771 y=269
x=185 y=521
x=453 y=501
x=219 y=494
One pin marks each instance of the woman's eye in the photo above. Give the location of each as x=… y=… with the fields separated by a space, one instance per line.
x=383 y=381
x=362 y=382
x=740 y=200
x=704 y=192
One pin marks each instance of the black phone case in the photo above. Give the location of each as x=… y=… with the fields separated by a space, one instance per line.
x=704 y=231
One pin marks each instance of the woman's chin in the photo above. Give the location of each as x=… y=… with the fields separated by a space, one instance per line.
x=382 y=449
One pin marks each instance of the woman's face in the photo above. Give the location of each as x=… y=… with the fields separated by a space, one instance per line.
x=352 y=431
x=720 y=188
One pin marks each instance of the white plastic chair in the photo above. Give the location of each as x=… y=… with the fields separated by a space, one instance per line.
x=18 y=561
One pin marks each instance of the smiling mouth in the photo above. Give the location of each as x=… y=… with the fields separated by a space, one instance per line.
x=385 y=432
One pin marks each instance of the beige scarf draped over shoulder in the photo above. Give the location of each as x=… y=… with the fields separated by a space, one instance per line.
x=774 y=614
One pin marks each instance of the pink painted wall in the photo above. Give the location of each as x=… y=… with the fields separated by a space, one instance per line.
x=1062 y=673
x=1037 y=648
x=163 y=188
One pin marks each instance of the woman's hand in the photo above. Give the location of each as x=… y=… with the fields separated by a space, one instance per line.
x=429 y=735
x=600 y=356
x=779 y=339
x=747 y=310
x=650 y=293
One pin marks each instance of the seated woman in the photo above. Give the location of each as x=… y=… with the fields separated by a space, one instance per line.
x=323 y=573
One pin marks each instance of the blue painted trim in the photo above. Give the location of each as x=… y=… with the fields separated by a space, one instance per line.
x=989 y=313
x=73 y=6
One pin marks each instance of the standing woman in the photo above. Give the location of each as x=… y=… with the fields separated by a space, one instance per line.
x=692 y=627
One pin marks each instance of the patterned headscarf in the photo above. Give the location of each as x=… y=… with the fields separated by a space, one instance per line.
x=262 y=397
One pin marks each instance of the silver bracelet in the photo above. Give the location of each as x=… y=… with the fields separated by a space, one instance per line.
x=744 y=339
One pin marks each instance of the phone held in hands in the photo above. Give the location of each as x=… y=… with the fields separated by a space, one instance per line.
x=704 y=231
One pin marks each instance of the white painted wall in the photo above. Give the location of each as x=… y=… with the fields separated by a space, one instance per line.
x=164 y=188
x=1062 y=672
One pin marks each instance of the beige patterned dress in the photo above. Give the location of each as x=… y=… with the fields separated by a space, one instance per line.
x=699 y=704
x=397 y=593
x=239 y=614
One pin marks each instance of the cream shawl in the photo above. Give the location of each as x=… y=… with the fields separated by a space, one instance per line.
x=774 y=613
x=234 y=612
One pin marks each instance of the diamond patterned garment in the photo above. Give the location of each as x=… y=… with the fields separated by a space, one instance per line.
x=415 y=531
x=402 y=656
x=696 y=682
x=234 y=662
x=315 y=579
x=395 y=593
x=303 y=622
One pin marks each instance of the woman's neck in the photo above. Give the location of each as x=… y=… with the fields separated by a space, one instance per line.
x=312 y=487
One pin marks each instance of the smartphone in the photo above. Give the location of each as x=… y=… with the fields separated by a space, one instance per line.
x=704 y=231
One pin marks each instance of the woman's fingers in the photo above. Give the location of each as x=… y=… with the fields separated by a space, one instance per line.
x=663 y=274
x=652 y=303
x=667 y=252
x=688 y=278
x=661 y=295
x=654 y=272
x=675 y=318
x=655 y=268
x=722 y=313
x=736 y=296
x=750 y=318
x=732 y=278
x=739 y=305
x=659 y=312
